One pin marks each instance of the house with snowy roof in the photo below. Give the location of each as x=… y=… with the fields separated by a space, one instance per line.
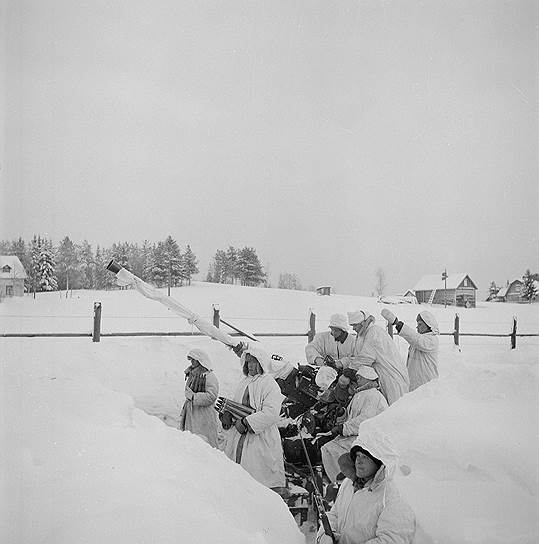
x=513 y=291
x=12 y=276
x=457 y=290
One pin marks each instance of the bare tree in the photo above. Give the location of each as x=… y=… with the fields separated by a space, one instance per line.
x=381 y=283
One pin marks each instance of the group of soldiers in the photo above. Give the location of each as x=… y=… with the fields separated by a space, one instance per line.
x=371 y=372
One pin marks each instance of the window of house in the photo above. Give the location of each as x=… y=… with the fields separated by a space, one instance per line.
x=465 y=282
x=6 y=268
x=9 y=290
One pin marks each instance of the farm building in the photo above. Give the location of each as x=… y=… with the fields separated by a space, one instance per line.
x=458 y=290
x=323 y=290
x=512 y=292
x=12 y=276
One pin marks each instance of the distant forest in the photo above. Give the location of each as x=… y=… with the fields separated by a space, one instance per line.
x=71 y=265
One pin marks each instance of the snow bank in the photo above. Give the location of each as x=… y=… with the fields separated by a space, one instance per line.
x=469 y=440
x=84 y=465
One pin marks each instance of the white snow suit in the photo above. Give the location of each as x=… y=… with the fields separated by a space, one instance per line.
x=198 y=415
x=260 y=452
x=375 y=514
x=423 y=351
x=364 y=405
x=377 y=349
x=324 y=344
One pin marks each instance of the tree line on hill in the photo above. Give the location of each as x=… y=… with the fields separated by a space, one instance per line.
x=236 y=266
x=243 y=267
x=73 y=265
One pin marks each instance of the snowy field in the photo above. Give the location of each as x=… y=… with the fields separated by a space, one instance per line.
x=84 y=460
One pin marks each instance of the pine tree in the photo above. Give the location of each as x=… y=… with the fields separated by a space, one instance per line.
x=67 y=265
x=5 y=247
x=173 y=262
x=492 y=290
x=87 y=265
x=220 y=266
x=250 y=269
x=158 y=272
x=189 y=263
x=102 y=278
x=46 y=277
x=33 y=269
x=145 y=260
x=231 y=265
x=529 y=290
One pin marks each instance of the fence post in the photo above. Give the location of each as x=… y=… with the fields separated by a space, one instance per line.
x=390 y=329
x=216 y=317
x=514 y=333
x=97 y=322
x=312 y=325
x=456 y=338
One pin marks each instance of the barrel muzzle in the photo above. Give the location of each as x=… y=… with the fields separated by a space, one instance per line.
x=114 y=267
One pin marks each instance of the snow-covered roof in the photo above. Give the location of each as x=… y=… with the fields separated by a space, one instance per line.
x=15 y=265
x=434 y=281
x=502 y=292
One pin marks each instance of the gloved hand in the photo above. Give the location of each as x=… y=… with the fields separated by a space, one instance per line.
x=189 y=393
x=240 y=427
x=337 y=430
x=226 y=420
x=324 y=539
x=389 y=316
x=329 y=360
x=239 y=349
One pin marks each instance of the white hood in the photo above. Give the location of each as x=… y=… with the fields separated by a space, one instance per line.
x=202 y=357
x=262 y=357
x=430 y=320
x=380 y=447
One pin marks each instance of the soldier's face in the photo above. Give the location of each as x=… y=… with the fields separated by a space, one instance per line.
x=253 y=366
x=335 y=332
x=357 y=326
x=422 y=327
x=365 y=466
x=194 y=362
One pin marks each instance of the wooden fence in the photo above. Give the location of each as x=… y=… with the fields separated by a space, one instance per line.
x=96 y=335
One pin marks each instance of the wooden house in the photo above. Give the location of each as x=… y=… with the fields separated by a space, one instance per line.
x=12 y=276
x=512 y=292
x=323 y=290
x=457 y=290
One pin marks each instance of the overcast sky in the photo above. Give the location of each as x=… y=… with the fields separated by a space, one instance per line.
x=334 y=137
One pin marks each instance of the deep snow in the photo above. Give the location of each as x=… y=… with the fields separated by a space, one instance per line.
x=84 y=462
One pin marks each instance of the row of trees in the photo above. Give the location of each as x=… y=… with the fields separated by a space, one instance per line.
x=77 y=266
x=242 y=266
x=73 y=265
x=236 y=266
